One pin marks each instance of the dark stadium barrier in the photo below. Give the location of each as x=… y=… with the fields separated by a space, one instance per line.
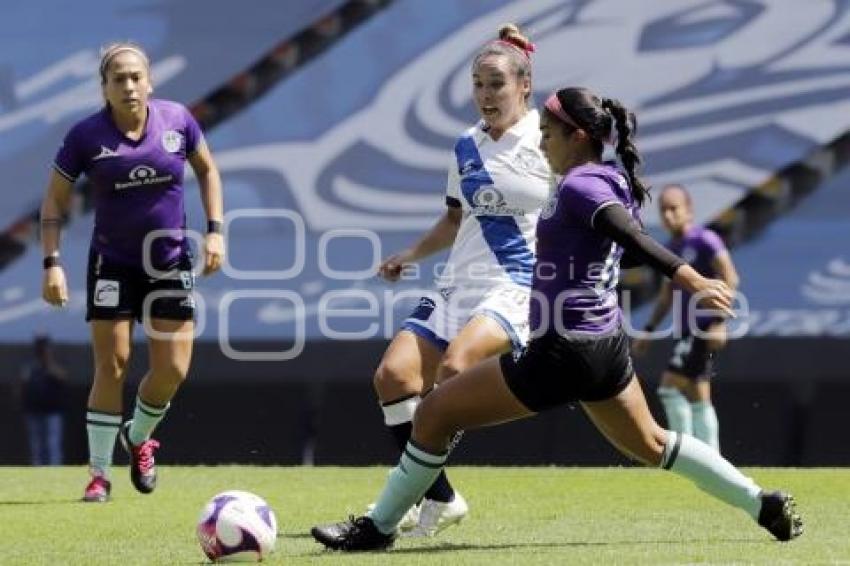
x=786 y=409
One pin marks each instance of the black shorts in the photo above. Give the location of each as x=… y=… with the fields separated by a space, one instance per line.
x=555 y=370
x=692 y=358
x=116 y=291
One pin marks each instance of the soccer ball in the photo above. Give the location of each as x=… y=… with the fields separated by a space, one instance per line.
x=237 y=526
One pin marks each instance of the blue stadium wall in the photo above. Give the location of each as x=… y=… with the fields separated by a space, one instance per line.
x=728 y=94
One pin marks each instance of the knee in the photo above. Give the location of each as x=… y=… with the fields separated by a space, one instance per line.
x=453 y=363
x=113 y=367
x=391 y=379
x=172 y=371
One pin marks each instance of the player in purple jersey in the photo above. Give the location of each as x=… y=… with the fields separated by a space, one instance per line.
x=578 y=351
x=685 y=389
x=134 y=153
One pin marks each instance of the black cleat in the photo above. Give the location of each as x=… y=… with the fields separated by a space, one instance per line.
x=779 y=515
x=354 y=535
x=142 y=465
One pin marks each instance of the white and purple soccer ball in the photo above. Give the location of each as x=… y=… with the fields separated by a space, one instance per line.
x=237 y=526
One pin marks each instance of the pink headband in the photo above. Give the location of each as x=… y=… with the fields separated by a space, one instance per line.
x=553 y=105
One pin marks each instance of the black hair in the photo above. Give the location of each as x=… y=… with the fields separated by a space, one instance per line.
x=599 y=117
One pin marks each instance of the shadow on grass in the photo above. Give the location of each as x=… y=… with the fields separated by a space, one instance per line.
x=42 y=502
x=533 y=546
x=294 y=535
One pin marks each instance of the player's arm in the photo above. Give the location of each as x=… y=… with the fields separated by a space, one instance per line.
x=54 y=207
x=209 y=181
x=725 y=269
x=441 y=235
x=617 y=224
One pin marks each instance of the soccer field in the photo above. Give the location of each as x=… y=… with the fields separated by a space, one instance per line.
x=518 y=516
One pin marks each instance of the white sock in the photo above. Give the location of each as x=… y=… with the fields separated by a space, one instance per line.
x=102 y=430
x=677 y=409
x=712 y=473
x=706 y=425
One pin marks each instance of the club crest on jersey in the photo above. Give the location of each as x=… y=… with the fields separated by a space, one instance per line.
x=488 y=196
x=689 y=254
x=526 y=159
x=171 y=141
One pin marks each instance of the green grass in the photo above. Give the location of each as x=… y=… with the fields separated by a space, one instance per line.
x=519 y=516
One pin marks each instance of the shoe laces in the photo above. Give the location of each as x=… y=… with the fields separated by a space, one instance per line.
x=144 y=454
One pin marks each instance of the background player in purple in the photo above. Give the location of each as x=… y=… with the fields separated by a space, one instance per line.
x=134 y=153
x=578 y=350
x=685 y=389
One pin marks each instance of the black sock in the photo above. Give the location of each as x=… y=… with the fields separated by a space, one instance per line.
x=441 y=489
x=401 y=434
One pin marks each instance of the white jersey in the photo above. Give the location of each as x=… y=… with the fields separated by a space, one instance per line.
x=500 y=186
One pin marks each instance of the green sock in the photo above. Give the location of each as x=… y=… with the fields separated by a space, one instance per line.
x=706 y=425
x=145 y=419
x=712 y=473
x=677 y=409
x=406 y=485
x=102 y=430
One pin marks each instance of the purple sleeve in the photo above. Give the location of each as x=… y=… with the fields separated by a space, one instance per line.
x=585 y=195
x=193 y=133
x=713 y=243
x=70 y=161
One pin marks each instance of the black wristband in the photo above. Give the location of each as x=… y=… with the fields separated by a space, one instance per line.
x=214 y=227
x=51 y=261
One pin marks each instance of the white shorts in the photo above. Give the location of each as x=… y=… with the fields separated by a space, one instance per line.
x=442 y=314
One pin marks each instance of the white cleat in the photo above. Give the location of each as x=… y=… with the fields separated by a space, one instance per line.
x=434 y=516
x=408 y=522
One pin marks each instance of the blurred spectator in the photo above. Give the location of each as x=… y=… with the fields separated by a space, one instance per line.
x=44 y=393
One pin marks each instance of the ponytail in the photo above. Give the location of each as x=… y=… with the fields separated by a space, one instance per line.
x=623 y=128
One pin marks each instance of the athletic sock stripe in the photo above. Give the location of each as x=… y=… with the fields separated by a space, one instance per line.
x=102 y=424
x=146 y=410
x=423 y=462
x=104 y=419
x=399 y=400
x=150 y=410
x=442 y=454
x=105 y=416
x=675 y=452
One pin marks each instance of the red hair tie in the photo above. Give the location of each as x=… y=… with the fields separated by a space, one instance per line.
x=526 y=48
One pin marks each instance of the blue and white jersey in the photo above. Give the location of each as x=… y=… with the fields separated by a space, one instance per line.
x=500 y=186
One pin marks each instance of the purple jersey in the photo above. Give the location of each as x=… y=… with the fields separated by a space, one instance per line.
x=138 y=185
x=699 y=246
x=577 y=268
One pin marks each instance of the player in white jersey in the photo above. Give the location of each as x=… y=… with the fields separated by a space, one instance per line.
x=498 y=181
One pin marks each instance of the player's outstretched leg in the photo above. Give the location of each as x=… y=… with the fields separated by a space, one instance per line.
x=626 y=421
x=697 y=461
